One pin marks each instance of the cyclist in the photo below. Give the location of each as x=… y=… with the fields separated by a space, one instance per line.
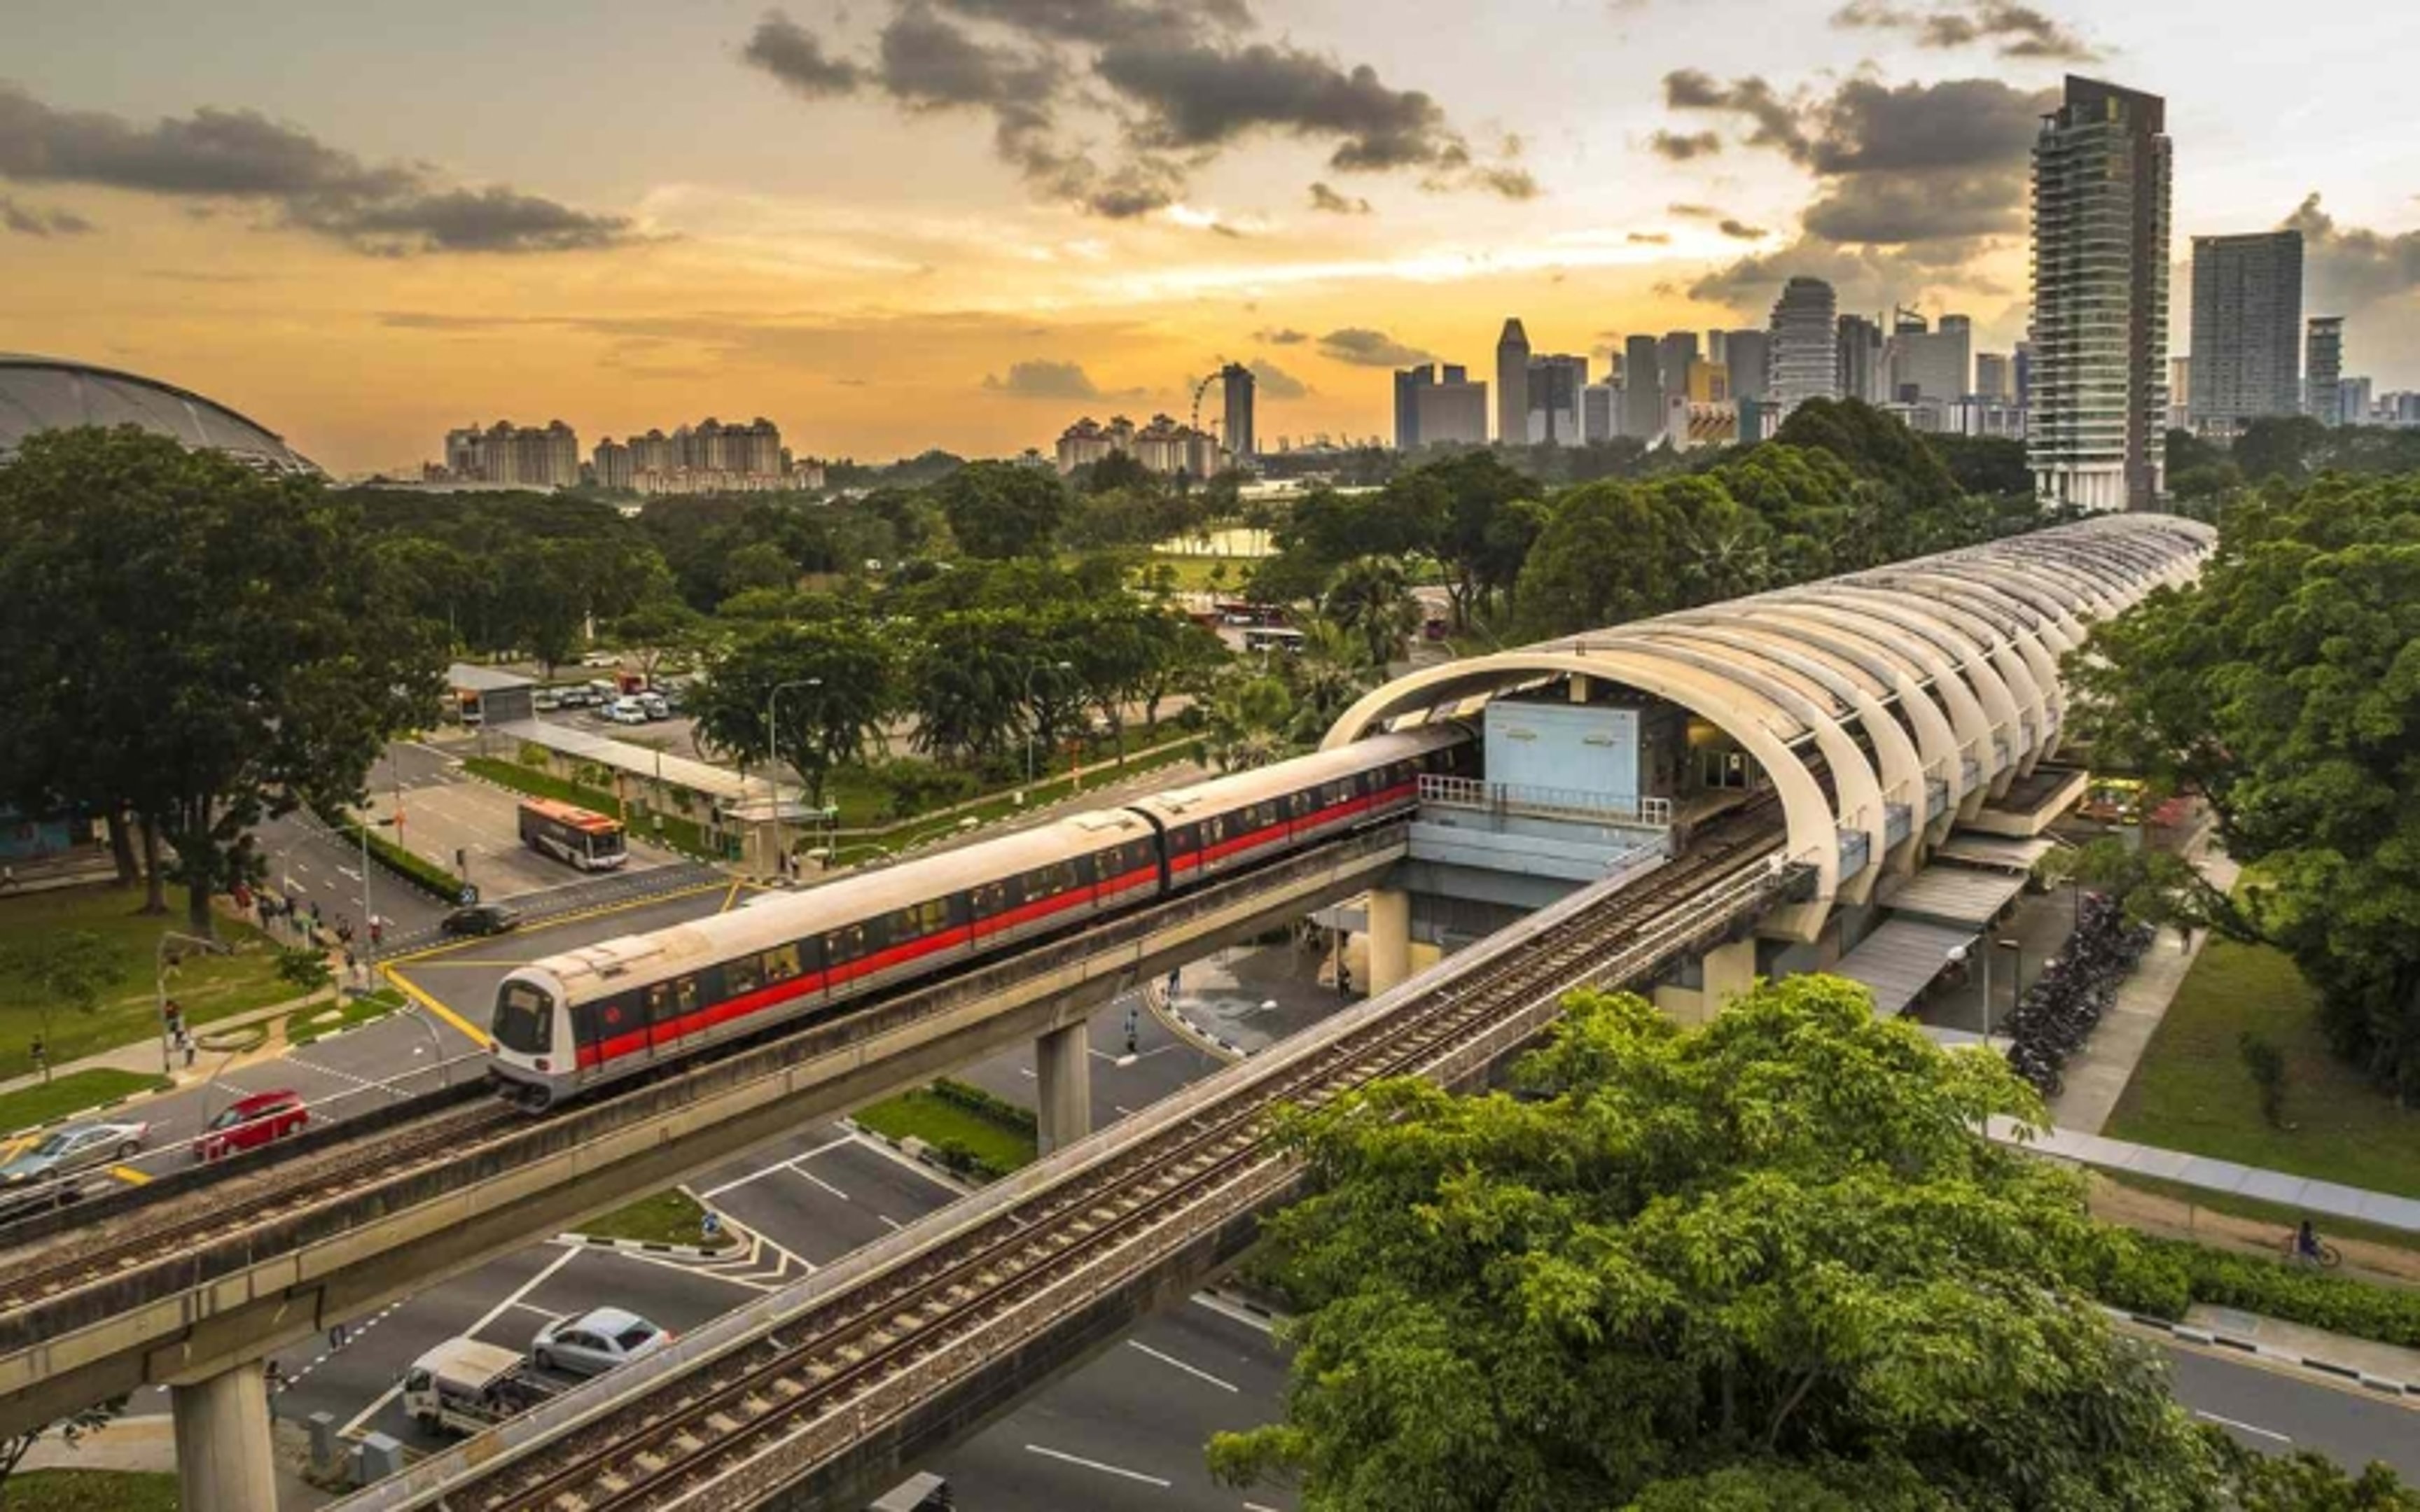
x=2306 y=1244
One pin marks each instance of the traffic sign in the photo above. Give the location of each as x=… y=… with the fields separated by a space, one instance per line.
x=469 y=894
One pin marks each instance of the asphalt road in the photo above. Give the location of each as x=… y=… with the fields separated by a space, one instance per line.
x=2276 y=1408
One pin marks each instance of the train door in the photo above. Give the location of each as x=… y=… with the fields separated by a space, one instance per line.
x=985 y=904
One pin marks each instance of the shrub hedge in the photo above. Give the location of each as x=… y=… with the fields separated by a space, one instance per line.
x=417 y=869
x=2160 y=1277
x=983 y=1105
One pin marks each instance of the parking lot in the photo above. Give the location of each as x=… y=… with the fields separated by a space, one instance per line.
x=470 y=828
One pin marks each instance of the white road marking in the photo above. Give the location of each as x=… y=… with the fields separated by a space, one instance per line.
x=1233 y=1313
x=1190 y=1370
x=1123 y=1111
x=1255 y=1506
x=2241 y=1427
x=825 y=1185
x=894 y=1222
x=926 y=1171
x=713 y=1192
x=1095 y=1464
x=1026 y=1071
x=377 y=1404
x=533 y=1307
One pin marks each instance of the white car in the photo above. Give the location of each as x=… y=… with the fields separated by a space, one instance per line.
x=626 y=711
x=600 y=659
x=654 y=706
x=593 y=1342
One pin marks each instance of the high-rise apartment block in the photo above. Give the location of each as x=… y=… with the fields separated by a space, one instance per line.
x=1931 y=364
x=2102 y=171
x=2324 y=370
x=1512 y=385
x=1642 y=388
x=1746 y=361
x=1164 y=446
x=2247 y=327
x=2353 y=401
x=1993 y=379
x=1554 y=382
x=521 y=456
x=708 y=458
x=1409 y=381
x=1804 y=345
x=1861 y=372
x=1600 y=412
x=1451 y=411
x=1235 y=385
x=1674 y=355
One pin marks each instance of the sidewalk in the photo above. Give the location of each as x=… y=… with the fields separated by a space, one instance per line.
x=142 y=1058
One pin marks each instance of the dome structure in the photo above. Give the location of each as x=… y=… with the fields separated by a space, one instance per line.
x=39 y=393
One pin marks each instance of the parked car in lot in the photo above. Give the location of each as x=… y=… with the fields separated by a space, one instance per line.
x=478 y=919
x=43 y=1166
x=593 y=1342
x=600 y=659
x=655 y=705
x=544 y=699
x=626 y=711
x=250 y=1123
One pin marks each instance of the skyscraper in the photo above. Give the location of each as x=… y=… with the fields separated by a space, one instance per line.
x=2353 y=401
x=1512 y=385
x=2323 y=369
x=1859 y=373
x=1409 y=381
x=1598 y=421
x=1804 y=347
x=1451 y=411
x=1992 y=378
x=1642 y=389
x=2247 y=318
x=1555 y=382
x=1746 y=354
x=1673 y=355
x=2102 y=168
x=1236 y=385
x=1931 y=365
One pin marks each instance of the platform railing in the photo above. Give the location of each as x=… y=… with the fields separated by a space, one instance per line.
x=1544 y=802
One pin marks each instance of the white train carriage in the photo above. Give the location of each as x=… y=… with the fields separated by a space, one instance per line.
x=1235 y=822
x=586 y=1017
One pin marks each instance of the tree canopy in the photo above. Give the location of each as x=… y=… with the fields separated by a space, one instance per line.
x=1765 y=1263
x=2285 y=685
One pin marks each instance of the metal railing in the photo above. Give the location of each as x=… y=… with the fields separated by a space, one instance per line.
x=1544 y=802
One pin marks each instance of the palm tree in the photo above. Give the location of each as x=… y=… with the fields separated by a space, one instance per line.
x=1329 y=671
x=1372 y=597
x=1247 y=722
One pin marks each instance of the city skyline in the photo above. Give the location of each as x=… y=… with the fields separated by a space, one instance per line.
x=792 y=226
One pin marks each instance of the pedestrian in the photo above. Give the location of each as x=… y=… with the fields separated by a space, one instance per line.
x=315 y=912
x=377 y=931
x=352 y=966
x=38 y=1052
x=345 y=934
x=185 y=1042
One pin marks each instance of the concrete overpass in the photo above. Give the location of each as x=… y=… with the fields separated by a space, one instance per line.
x=1880 y=706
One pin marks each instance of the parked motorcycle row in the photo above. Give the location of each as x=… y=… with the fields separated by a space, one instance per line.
x=2059 y=1011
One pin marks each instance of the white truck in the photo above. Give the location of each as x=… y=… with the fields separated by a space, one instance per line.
x=464 y=1386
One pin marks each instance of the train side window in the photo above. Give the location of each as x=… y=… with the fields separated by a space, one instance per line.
x=916 y=920
x=685 y=994
x=990 y=899
x=660 y=1002
x=782 y=962
x=744 y=975
x=1213 y=829
x=845 y=945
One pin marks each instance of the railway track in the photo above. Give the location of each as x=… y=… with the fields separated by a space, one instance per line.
x=696 y=1435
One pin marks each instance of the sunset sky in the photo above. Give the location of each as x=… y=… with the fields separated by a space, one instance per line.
x=890 y=225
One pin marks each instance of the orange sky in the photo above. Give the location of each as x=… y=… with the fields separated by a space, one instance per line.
x=866 y=269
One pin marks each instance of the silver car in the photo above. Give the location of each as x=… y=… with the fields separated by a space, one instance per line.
x=593 y=1342
x=62 y=1152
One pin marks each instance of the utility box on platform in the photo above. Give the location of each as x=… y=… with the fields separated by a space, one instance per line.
x=1619 y=750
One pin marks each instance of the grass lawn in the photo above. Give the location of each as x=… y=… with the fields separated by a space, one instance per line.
x=666 y=1218
x=304 y=1028
x=209 y=987
x=2191 y=1092
x=1201 y=575
x=924 y=1115
x=70 y=1093
x=92 y=1490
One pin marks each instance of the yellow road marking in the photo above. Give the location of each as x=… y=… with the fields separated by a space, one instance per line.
x=467 y=960
x=129 y=1175
x=731 y=899
x=411 y=990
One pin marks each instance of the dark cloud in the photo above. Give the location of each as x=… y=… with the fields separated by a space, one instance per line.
x=239 y=155
x=2015 y=31
x=39 y=221
x=1868 y=127
x=1774 y=123
x=1683 y=147
x=1363 y=348
x=1041 y=379
x=1865 y=278
x=1740 y=230
x=1695 y=213
x=793 y=54
x=1275 y=381
x=1651 y=239
x=1325 y=199
x=2370 y=277
x=1899 y=209
x=1178 y=86
x=1284 y=336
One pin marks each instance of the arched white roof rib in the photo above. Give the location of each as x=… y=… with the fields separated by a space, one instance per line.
x=1931 y=657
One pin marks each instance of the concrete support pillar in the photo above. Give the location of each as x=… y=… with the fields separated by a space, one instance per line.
x=222 y=1446
x=1391 y=938
x=1579 y=687
x=1063 y=1068
x=1729 y=970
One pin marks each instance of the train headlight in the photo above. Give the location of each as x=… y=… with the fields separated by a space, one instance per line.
x=543 y=1064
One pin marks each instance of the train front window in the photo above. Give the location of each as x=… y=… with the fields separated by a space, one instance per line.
x=524 y=1019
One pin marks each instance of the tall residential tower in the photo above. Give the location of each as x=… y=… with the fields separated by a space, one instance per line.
x=2324 y=370
x=2099 y=383
x=1804 y=347
x=1235 y=385
x=1512 y=385
x=2247 y=325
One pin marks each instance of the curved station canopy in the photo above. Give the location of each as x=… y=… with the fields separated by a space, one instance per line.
x=1920 y=688
x=39 y=393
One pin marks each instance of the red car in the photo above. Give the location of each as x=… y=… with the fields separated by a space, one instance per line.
x=252 y=1123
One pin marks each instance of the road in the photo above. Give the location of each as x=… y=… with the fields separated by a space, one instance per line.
x=2275 y=1408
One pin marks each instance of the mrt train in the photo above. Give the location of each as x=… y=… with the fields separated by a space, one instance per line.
x=591 y=1017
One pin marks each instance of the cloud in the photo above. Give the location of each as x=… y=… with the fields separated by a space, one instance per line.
x=1275 y=381
x=1283 y=337
x=1742 y=231
x=1696 y=212
x=2370 y=277
x=1776 y=121
x=40 y=220
x=1360 y=346
x=2015 y=31
x=1041 y=379
x=240 y=155
x=1177 y=87
x=1683 y=148
x=1325 y=199
x=1651 y=239
x=1865 y=278
x=791 y=54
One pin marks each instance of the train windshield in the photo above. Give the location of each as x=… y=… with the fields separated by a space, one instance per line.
x=524 y=1018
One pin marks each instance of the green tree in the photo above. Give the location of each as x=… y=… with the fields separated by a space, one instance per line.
x=2284 y=684
x=1003 y=509
x=69 y=969
x=2277 y=446
x=966 y=683
x=836 y=682
x=661 y=627
x=1248 y=718
x=1475 y=515
x=221 y=639
x=72 y=1429
x=1372 y=598
x=1606 y=557
x=760 y=564
x=1326 y=674
x=1768 y=1262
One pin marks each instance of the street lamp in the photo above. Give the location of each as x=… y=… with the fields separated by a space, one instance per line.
x=773 y=750
x=2016 y=973
x=1030 y=674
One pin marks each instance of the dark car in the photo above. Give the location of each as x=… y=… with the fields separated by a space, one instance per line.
x=480 y=919
x=251 y=1123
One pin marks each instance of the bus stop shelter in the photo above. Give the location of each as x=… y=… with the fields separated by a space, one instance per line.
x=734 y=810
